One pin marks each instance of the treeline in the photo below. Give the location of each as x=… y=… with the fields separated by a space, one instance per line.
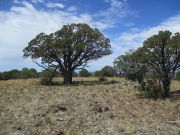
x=106 y=71
x=26 y=73
x=19 y=74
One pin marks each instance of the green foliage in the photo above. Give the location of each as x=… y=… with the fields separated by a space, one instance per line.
x=97 y=74
x=69 y=48
x=1 y=76
x=48 y=73
x=129 y=65
x=159 y=57
x=16 y=74
x=28 y=73
x=45 y=81
x=47 y=76
x=161 y=54
x=102 y=79
x=75 y=74
x=151 y=89
x=7 y=75
x=178 y=76
x=107 y=71
x=84 y=73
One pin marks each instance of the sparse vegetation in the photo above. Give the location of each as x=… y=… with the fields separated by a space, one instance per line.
x=102 y=105
x=137 y=93
x=29 y=108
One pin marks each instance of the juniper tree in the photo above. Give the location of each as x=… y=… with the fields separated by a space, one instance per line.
x=68 y=49
x=161 y=54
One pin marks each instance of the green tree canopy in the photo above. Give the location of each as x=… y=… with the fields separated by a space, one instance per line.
x=130 y=66
x=178 y=76
x=161 y=53
x=68 y=49
x=108 y=71
x=84 y=73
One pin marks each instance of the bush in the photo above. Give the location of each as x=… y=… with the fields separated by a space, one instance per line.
x=101 y=79
x=97 y=74
x=84 y=73
x=75 y=74
x=178 y=76
x=150 y=89
x=108 y=71
x=111 y=82
x=47 y=76
x=28 y=73
x=45 y=81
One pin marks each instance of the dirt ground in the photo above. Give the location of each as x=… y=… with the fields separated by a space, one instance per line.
x=28 y=108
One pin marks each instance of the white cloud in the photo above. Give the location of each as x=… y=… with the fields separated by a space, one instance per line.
x=134 y=39
x=38 y=1
x=23 y=22
x=54 y=5
x=72 y=9
x=117 y=9
x=19 y=25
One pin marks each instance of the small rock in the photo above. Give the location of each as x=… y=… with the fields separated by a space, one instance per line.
x=19 y=128
x=55 y=109
x=109 y=115
x=62 y=108
x=98 y=108
x=106 y=108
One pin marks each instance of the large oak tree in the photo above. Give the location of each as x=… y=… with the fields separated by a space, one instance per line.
x=68 y=49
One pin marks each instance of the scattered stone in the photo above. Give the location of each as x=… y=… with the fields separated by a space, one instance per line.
x=60 y=133
x=97 y=108
x=19 y=128
x=109 y=115
x=106 y=108
x=55 y=109
x=61 y=108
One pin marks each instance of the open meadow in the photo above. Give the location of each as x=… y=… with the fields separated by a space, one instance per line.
x=28 y=108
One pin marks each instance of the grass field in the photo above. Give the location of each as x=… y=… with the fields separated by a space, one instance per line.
x=28 y=108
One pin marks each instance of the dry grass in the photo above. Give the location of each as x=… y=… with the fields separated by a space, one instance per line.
x=28 y=108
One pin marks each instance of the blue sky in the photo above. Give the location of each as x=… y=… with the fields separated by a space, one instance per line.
x=126 y=22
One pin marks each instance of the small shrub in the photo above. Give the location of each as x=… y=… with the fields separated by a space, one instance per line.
x=45 y=81
x=150 y=89
x=178 y=76
x=102 y=79
x=111 y=82
x=47 y=77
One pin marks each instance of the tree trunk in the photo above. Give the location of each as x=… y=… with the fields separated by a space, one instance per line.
x=67 y=77
x=166 y=87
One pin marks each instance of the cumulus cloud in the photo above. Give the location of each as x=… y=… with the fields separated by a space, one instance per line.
x=23 y=22
x=117 y=9
x=55 y=5
x=72 y=9
x=38 y=1
x=134 y=39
